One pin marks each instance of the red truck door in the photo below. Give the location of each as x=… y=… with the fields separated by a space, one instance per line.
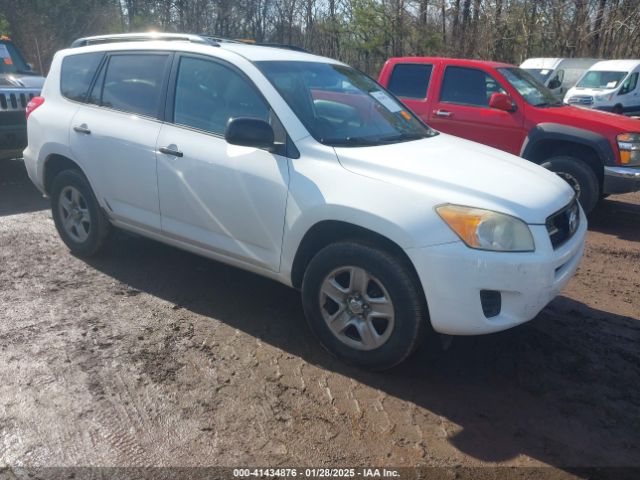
x=410 y=82
x=462 y=109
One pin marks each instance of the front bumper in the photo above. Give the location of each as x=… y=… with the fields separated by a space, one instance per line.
x=453 y=275
x=621 y=179
x=13 y=134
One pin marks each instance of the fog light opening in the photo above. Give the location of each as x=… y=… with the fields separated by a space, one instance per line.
x=491 y=301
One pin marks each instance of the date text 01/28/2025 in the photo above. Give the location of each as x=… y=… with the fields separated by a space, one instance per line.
x=315 y=472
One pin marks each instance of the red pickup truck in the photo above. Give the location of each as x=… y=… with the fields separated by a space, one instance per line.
x=502 y=106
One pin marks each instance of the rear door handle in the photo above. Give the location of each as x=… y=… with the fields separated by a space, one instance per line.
x=82 y=129
x=171 y=151
x=442 y=113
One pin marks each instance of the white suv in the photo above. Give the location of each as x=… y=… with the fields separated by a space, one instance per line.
x=304 y=170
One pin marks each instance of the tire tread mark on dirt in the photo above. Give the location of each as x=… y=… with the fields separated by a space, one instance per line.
x=380 y=408
x=117 y=430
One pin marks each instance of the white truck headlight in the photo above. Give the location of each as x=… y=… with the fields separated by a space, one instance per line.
x=487 y=230
x=604 y=98
x=629 y=146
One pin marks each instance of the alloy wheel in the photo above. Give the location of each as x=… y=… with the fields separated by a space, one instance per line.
x=571 y=180
x=357 y=308
x=74 y=213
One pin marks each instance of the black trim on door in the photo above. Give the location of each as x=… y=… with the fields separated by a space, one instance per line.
x=96 y=76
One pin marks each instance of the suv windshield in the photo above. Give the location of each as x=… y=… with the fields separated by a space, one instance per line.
x=596 y=79
x=341 y=106
x=540 y=74
x=10 y=59
x=532 y=90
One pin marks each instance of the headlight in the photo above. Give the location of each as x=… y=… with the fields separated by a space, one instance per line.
x=604 y=98
x=487 y=230
x=629 y=145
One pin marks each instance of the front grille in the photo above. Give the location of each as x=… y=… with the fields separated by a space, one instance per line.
x=16 y=100
x=581 y=100
x=563 y=224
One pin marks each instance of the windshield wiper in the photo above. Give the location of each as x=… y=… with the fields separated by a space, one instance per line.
x=351 y=141
x=364 y=141
x=403 y=137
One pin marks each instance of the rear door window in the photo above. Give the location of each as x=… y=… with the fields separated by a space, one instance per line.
x=410 y=80
x=133 y=83
x=468 y=86
x=77 y=74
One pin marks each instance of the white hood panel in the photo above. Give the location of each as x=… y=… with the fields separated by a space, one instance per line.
x=448 y=169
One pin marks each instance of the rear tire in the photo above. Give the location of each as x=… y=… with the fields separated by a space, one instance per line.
x=364 y=305
x=579 y=176
x=78 y=217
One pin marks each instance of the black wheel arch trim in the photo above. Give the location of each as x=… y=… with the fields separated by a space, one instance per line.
x=556 y=132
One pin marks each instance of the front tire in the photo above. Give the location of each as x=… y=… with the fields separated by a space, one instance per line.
x=80 y=221
x=579 y=176
x=364 y=305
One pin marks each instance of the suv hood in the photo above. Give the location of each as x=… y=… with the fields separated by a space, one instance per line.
x=448 y=169
x=21 y=81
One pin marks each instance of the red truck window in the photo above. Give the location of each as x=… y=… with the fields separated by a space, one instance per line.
x=468 y=86
x=410 y=80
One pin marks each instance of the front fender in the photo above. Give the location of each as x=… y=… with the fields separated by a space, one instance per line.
x=554 y=132
x=337 y=194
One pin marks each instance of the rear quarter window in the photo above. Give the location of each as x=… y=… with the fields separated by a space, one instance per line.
x=410 y=80
x=77 y=74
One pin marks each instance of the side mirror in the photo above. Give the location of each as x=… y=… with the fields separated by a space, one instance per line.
x=250 y=132
x=30 y=67
x=555 y=83
x=502 y=101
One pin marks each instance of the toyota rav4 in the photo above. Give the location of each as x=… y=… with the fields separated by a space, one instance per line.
x=301 y=169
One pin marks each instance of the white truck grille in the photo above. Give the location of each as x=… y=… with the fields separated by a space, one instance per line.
x=581 y=100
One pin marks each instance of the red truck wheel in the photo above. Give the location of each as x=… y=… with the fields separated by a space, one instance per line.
x=580 y=176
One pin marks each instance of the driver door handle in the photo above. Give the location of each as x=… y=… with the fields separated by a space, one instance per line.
x=442 y=113
x=170 y=151
x=82 y=129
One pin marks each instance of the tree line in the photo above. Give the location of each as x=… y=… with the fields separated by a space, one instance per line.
x=363 y=33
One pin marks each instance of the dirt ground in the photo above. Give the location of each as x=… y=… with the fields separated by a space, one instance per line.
x=153 y=356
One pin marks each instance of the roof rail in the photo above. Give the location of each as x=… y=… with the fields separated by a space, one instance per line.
x=185 y=37
x=285 y=46
x=140 y=37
